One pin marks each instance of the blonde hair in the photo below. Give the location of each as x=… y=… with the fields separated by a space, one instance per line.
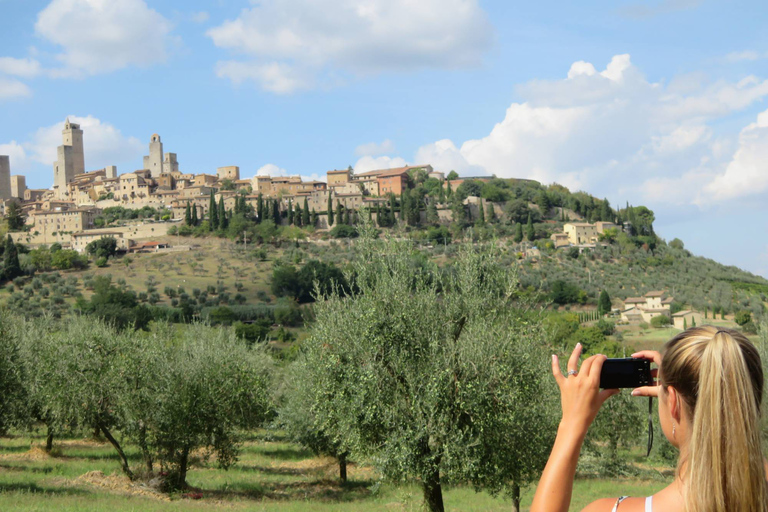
x=718 y=374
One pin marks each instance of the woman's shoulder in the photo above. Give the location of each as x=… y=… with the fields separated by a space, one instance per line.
x=606 y=505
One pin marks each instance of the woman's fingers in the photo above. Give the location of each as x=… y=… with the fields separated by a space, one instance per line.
x=605 y=394
x=556 y=370
x=649 y=354
x=595 y=367
x=646 y=391
x=573 y=361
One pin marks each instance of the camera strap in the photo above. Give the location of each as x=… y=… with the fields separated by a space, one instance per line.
x=650 y=425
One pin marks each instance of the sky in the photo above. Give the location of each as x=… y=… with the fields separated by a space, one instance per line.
x=662 y=103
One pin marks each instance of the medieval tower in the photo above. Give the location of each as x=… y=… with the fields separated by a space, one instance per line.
x=70 y=158
x=5 y=177
x=154 y=162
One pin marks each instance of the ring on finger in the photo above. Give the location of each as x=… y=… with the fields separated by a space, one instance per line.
x=572 y=372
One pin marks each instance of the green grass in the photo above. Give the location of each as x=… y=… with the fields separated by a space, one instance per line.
x=272 y=476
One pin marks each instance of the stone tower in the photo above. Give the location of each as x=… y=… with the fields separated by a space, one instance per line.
x=70 y=159
x=73 y=136
x=154 y=162
x=5 y=177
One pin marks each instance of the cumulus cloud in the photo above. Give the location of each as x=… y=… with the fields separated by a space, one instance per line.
x=271 y=170
x=375 y=148
x=290 y=45
x=747 y=173
x=26 y=68
x=614 y=132
x=102 y=142
x=746 y=55
x=370 y=163
x=17 y=156
x=12 y=89
x=199 y=17
x=99 y=36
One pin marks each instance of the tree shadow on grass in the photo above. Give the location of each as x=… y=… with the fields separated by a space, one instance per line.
x=31 y=488
x=31 y=469
x=285 y=453
x=317 y=490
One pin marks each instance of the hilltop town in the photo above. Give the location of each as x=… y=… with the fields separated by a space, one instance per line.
x=67 y=213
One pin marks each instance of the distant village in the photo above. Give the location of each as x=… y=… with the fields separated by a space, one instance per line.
x=66 y=213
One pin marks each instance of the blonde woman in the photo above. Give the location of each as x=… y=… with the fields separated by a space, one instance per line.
x=709 y=389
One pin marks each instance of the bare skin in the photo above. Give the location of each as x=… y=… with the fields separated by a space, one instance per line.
x=581 y=399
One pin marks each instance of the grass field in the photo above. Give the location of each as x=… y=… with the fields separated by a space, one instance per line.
x=272 y=475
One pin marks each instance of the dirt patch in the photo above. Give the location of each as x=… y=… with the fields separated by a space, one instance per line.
x=118 y=484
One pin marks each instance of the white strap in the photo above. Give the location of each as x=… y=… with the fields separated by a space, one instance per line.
x=616 y=506
x=649 y=504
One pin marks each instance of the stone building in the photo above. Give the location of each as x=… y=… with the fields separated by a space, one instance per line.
x=5 y=178
x=231 y=172
x=157 y=162
x=18 y=186
x=70 y=158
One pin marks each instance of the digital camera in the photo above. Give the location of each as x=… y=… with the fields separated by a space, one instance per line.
x=626 y=372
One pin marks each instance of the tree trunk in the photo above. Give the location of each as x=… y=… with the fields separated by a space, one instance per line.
x=144 y=448
x=515 y=498
x=120 y=452
x=181 y=482
x=49 y=440
x=343 y=467
x=433 y=492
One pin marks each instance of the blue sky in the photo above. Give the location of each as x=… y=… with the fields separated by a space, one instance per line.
x=662 y=103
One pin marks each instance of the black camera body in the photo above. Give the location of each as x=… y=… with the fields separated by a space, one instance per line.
x=626 y=372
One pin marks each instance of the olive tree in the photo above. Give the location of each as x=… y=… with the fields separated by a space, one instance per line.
x=209 y=384
x=13 y=375
x=431 y=374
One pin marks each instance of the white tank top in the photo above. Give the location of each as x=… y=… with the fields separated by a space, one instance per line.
x=648 y=503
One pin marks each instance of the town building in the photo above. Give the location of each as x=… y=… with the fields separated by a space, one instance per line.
x=18 y=186
x=687 y=318
x=645 y=308
x=5 y=178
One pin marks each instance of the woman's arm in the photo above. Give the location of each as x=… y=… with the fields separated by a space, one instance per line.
x=581 y=398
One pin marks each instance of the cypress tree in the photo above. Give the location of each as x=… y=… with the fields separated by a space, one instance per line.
x=449 y=191
x=223 y=221
x=392 y=217
x=11 y=265
x=378 y=215
x=195 y=220
x=432 y=216
x=188 y=215
x=481 y=216
x=314 y=217
x=693 y=321
x=705 y=312
x=490 y=215
x=290 y=211
x=604 y=303
x=685 y=323
x=330 y=210
x=339 y=212
x=347 y=217
x=530 y=233
x=297 y=216
x=260 y=208
x=518 y=232
x=276 y=212
x=305 y=213
x=213 y=214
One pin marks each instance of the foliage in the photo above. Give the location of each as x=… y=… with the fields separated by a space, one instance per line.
x=660 y=321
x=300 y=285
x=105 y=247
x=433 y=375
x=604 y=303
x=13 y=377
x=344 y=231
x=563 y=292
x=114 y=305
x=15 y=217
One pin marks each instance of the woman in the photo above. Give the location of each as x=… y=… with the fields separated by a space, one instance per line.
x=709 y=390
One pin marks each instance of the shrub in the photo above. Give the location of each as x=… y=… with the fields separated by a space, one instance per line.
x=344 y=231
x=660 y=321
x=101 y=262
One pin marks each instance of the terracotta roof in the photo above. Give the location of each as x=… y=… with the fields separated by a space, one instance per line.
x=632 y=311
x=683 y=312
x=338 y=171
x=655 y=293
x=656 y=310
x=668 y=300
x=634 y=300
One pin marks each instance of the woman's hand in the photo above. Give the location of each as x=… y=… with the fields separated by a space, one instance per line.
x=655 y=357
x=580 y=393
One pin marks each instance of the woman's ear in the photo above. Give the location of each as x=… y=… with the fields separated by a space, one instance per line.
x=673 y=403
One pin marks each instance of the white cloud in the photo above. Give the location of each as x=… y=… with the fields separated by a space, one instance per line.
x=616 y=134
x=271 y=170
x=10 y=89
x=102 y=142
x=746 y=55
x=370 y=163
x=747 y=173
x=199 y=17
x=375 y=148
x=17 y=156
x=99 y=36
x=291 y=45
x=26 y=68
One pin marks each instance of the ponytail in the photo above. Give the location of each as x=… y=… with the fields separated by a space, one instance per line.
x=719 y=376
